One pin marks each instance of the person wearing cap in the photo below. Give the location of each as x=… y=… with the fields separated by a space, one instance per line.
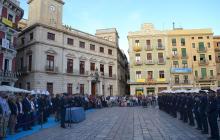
x=196 y=111
x=27 y=112
x=218 y=101
x=63 y=106
x=212 y=116
x=6 y=112
x=203 y=111
x=14 y=112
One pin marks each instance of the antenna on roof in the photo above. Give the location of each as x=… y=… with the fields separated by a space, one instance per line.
x=173 y=25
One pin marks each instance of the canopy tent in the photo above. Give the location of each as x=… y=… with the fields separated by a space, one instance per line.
x=40 y=92
x=12 y=89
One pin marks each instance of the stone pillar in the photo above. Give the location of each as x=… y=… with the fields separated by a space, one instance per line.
x=100 y=87
x=90 y=86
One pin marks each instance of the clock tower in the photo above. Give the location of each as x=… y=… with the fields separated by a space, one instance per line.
x=47 y=12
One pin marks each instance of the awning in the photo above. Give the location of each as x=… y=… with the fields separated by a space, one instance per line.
x=12 y=89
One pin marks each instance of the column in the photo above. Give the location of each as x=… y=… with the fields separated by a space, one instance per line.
x=100 y=87
x=90 y=84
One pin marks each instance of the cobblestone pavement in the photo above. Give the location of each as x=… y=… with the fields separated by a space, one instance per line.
x=123 y=123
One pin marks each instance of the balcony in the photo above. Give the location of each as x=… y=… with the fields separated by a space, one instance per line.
x=50 y=69
x=84 y=73
x=8 y=76
x=7 y=46
x=16 y=2
x=160 y=47
x=149 y=62
x=175 y=56
x=148 y=48
x=202 y=50
x=182 y=82
x=217 y=60
x=184 y=57
x=161 y=61
x=24 y=70
x=138 y=63
x=217 y=49
x=137 y=48
x=203 y=62
x=205 y=79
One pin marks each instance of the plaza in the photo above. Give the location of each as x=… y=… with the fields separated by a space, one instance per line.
x=123 y=123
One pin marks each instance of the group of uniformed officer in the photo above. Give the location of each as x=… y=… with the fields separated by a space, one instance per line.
x=202 y=107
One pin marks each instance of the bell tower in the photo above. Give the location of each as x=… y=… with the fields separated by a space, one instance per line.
x=47 y=12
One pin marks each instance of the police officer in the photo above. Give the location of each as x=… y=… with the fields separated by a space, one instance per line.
x=203 y=111
x=213 y=115
x=63 y=106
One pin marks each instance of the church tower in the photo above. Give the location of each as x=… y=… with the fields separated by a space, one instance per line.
x=47 y=12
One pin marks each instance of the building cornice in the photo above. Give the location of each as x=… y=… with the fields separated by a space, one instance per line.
x=59 y=1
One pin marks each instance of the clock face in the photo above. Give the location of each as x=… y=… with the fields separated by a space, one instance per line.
x=52 y=8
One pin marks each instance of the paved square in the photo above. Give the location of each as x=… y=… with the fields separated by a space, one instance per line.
x=123 y=123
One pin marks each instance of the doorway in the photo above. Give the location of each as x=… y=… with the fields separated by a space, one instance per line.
x=93 y=88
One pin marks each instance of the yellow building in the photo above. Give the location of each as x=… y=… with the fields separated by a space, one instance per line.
x=216 y=40
x=171 y=59
x=193 y=63
x=149 y=68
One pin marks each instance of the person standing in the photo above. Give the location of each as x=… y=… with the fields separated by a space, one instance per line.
x=14 y=112
x=63 y=106
x=203 y=112
x=27 y=110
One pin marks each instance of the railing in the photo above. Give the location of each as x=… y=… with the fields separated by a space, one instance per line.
x=160 y=47
x=205 y=78
x=202 y=50
x=161 y=61
x=139 y=62
x=51 y=69
x=217 y=60
x=175 y=56
x=16 y=2
x=184 y=57
x=181 y=82
x=217 y=49
x=148 y=48
x=8 y=75
x=149 y=62
x=69 y=71
x=203 y=62
x=137 y=48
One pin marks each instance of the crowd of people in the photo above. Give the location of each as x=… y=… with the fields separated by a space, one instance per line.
x=200 y=108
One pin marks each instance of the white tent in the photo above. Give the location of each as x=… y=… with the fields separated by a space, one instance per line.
x=40 y=92
x=12 y=89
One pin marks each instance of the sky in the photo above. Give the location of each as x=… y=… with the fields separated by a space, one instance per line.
x=128 y=15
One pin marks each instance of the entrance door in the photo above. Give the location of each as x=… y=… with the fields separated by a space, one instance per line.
x=203 y=71
x=93 y=88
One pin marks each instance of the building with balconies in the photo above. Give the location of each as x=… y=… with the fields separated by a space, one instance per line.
x=149 y=67
x=216 y=40
x=61 y=59
x=10 y=14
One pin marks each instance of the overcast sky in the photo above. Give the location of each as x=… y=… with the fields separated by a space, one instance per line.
x=128 y=15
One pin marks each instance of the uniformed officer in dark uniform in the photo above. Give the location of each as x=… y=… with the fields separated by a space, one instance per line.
x=63 y=106
x=203 y=111
x=213 y=115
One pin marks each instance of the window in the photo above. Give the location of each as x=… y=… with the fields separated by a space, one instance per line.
x=29 y=62
x=82 y=67
x=208 y=44
x=177 y=79
x=28 y=86
x=81 y=44
x=81 y=89
x=210 y=57
x=70 y=41
x=148 y=43
x=31 y=36
x=160 y=57
x=70 y=88
x=11 y=17
x=174 y=51
x=193 y=45
x=192 y=38
x=50 y=36
x=183 y=42
x=92 y=66
x=196 y=73
x=202 y=57
x=201 y=46
x=150 y=75
x=22 y=40
x=194 y=58
x=183 y=52
x=138 y=57
x=136 y=42
x=184 y=63
x=138 y=74
x=200 y=37
x=102 y=70
x=109 y=51
x=203 y=72
x=92 y=47
x=50 y=88
x=176 y=64
x=149 y=56
x=110 y=71
x=174 y=42
x=211 y=73
x=159 y=42
x=186 y=79
x=161 y=74
x=101 y=49
x=218 y=44
x=6 y=66
x=69 y=65
x=207 y=37
x=50 y=63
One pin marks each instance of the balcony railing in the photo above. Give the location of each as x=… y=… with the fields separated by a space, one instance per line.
x=161 y=61
x=184 y=57
x=69 y=71
x=202 y=50
x=51 y=69
x=137 y=48
x=8 y=76
x=217 y=49
x=205 y=78
x=16 y=2
x=181 y=82
x=149 y=62
x=175 y=56
x=148 y=48
x=203 y=62
x=139 y=62
x=160 y=47
x=217 y=60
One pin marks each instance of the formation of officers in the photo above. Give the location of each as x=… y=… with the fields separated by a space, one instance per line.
x=201 y=109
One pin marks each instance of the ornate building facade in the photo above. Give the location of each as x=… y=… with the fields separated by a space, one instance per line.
x=62 y=59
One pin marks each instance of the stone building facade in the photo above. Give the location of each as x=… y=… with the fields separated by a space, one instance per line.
x=62 y=59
